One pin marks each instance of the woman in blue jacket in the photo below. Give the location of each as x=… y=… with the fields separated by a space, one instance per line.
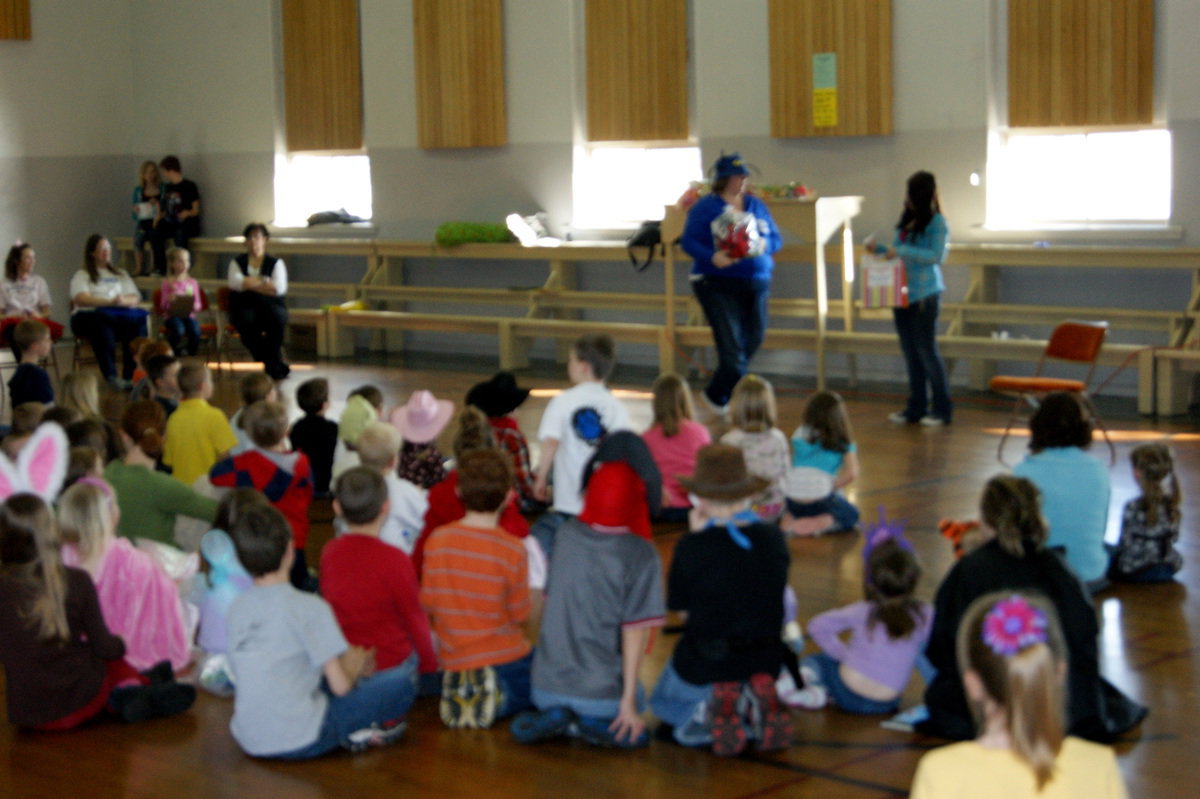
x=731 y=238
x=921 y=238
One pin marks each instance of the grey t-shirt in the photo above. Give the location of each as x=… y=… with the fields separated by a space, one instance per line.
x=598 y=584
x=279 y=638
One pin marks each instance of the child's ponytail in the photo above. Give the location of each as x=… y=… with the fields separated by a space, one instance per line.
x=1012 y=506
x=1014 y=645
x=1154 y=463
x=825 y=416
x=894 y=572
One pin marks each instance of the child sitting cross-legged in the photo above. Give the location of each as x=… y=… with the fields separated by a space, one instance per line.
x=371 y=585
x=604 y=597
x=281 y=474
x=314 y=435
x=887 y=633
x=475 y=589
x=198 y=434
x=825 y=457
x=379 y=451
x=302 y=691
x=728 y=576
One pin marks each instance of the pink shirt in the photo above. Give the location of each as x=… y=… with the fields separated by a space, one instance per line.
x=176 y=288
x=675 y=456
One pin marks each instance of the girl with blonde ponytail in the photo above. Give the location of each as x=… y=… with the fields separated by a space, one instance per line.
x=1016 y=559
x=1013 y=660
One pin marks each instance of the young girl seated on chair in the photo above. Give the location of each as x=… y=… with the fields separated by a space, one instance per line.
x=1013 y=661
x=179 y=300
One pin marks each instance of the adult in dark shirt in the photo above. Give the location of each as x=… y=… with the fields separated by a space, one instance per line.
x=179 y=213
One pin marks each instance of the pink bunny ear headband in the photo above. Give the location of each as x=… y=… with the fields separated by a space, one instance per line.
x=39 y=468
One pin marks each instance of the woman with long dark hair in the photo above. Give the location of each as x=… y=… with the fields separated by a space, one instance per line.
x=104 y=310
x=921 y=238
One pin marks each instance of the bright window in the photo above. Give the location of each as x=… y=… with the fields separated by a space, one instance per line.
x=1048 y=180
x=619 y=187
x=306 y=184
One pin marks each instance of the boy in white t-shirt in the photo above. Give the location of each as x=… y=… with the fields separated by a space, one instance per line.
x=571 y=428
x=379 y=450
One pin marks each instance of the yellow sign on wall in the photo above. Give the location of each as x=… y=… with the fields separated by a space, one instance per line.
x=825 y=114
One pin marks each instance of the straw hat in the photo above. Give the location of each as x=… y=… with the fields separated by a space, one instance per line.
x=422 y=418
x=721 y=475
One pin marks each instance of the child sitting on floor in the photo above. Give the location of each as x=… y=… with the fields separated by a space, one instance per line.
x=752 y=414
x=728 y=576
x=887 y=633
x=140 y=602
x=822 y=447
x=1013 y=660
x=372 y=586
x=498 y=398
x=30 y=382
x=253 y=388
x=1146 y=552
x=281 y=474
x=475 y=588
x=419 y=423
x=379 y=451
x=198 y=434
x=302 y=691
x=314 y=435
x=674 y=439
x=605 y=597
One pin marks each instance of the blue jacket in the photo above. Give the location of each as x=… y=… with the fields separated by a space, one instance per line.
x=697 y=239
x=923 y=255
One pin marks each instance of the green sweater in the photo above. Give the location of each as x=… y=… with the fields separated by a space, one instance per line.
x=150 y=501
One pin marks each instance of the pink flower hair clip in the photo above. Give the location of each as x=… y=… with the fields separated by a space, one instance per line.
x=1012 y=625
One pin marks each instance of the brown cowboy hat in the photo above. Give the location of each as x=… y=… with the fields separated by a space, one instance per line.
x=721 y=475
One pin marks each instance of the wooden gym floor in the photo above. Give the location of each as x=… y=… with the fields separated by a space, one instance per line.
x=919 y=475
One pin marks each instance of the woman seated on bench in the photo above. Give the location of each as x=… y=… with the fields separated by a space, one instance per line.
x=257 y=284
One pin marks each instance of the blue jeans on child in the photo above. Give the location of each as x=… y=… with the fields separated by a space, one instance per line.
x=183 y=334
x=384 y=696
x=844 y=514
x=513 y=680
x=544 y=529
x=676 y=701
x=599 y=710
x=846 y=699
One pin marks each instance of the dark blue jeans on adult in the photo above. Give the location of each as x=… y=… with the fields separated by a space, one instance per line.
x=736 y=310
x=383 y=697
x=183 y=334
x=916 y=326
x=104 y=332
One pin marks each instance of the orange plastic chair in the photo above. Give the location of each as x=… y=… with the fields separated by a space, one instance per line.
x=1072 y=341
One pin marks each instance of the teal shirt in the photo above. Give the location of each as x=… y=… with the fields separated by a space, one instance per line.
x=923 y=255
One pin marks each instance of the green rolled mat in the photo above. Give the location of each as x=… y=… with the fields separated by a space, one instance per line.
x=450 y=234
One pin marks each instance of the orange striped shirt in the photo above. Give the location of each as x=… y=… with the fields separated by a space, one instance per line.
x=475 y=588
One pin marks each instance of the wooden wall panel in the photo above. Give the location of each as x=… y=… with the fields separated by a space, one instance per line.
x=322 y=66
x=1075 y=63
x=14 y=19
x=459 y=50
x=859 y=32
x=637 y=70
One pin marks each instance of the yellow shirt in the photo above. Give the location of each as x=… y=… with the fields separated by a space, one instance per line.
x=967 y=769
x=196 y=434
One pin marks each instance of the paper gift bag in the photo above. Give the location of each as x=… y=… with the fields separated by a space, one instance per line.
x=883 y=283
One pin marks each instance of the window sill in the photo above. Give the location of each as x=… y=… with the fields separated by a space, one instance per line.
x=1081 y=233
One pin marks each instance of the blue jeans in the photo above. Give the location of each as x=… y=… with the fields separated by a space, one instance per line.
x=104 y=332
x=605 y=709
x=180 y=328
x=514 y=682
x=916 y=326
x=846 y=699
x=736 y=310
x=382 y=697
x=844 y=514
x=546 y=527
x=675 y=699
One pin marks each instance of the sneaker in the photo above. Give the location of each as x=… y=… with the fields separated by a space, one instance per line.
x=375 y=736
x=932 y=421
x=119 y=384
x=594 y=731
x=144 y=702
x=720 y=411
x=900 y=417
x=533 y=726
x=771 y=722
x=728 y=733
x=810 y=697
x=470 y=698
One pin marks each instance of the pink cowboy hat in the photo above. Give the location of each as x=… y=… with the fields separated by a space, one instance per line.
x=422 y=418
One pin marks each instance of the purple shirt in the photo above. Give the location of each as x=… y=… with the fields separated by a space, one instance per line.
x=870 y=651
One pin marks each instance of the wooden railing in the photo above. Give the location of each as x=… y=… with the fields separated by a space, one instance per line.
x=555 y=308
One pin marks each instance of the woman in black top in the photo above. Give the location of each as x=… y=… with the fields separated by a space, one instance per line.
x=257 y=284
